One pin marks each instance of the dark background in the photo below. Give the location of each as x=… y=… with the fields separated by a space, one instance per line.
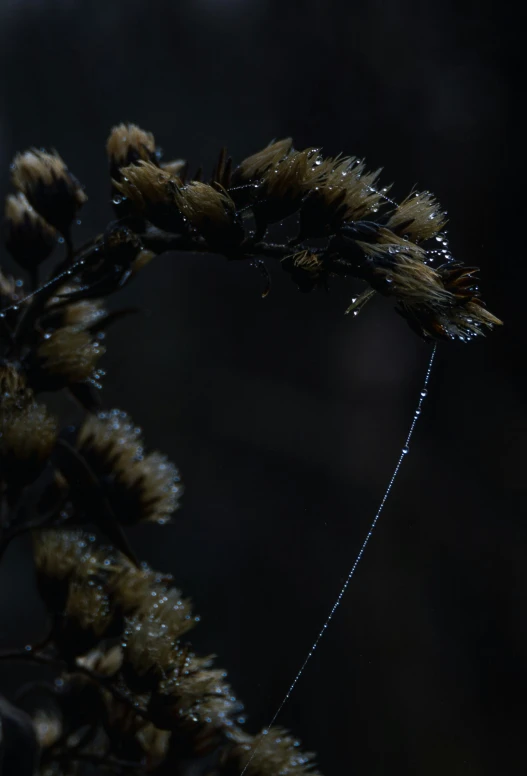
x=285 y=417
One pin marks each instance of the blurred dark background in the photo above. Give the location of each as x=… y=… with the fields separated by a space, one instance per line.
x=285 y=417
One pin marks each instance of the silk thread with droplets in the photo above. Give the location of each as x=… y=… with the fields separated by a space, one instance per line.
x=53 y=281
x=404 y=450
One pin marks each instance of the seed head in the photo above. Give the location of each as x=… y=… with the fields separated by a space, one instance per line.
x=286 y=183
x=88 y=605
x=254 y=167
x=27 y=432
x=212 y=212
x=128 y=144
x=419 y=217
x=151 y=191
x=146 y=593
x=69 y=355
x=57 y=553
x=271 y=752
x=346 y=193
x=49 y=186
x=140 y=487
x=27 y=438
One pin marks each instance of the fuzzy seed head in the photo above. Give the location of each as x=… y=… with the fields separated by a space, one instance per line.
x=58 y=553
x=149 y=649
x=256 y=165
x=88 y=606
x=27 y=436
x=141 y=487
x=127 y=144
x=295 y=175
x=69 y=355
x=146 y=185
x=202 y=204
x=275 y=752
x=153 y=597
x=48 y=185
x=212 y=212
x=419 y=217
x=358 y=187
x=27 y=431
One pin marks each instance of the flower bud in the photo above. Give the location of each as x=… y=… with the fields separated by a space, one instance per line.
x=254 y=167
x=347 y=192
x=212 y=212
x=128 y=144
x=151 y=193
x=27 y=432
x=285 y=185
x=49 y=186
x=418 y=217
x=68 y=356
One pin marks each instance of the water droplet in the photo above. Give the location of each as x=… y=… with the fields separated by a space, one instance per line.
x=405 y=450
x=424 y=393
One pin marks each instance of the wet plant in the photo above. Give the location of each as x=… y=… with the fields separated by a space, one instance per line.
x=130 y=695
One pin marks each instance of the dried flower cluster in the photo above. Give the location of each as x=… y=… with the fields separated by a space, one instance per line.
x=130 y=695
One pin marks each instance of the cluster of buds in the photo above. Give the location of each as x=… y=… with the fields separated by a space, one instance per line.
x=367 y=234
x=133 y=695
x=27 y=431
x=121 y=631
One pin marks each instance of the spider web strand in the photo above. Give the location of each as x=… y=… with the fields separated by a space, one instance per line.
x=338 y=600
